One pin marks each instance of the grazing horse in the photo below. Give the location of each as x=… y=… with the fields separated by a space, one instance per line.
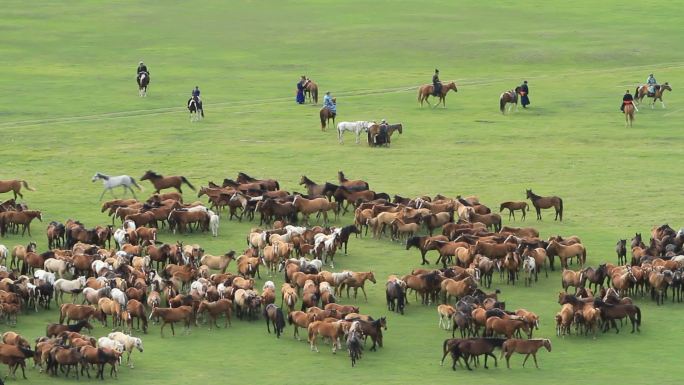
x=110 y=182
x=14 y=185
x=143 y=80
x=629 y=114
x=375 y=131
x=642 y=91
x=512 y=207
x=195 y=107
x=326 y=115
x=507 y=97
x=540 y=202
x=427 y=90
x=527 y=347
x=163 y=182
x=273 y=314
x=354 y=127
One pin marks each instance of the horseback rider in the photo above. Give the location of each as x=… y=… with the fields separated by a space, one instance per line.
x=627 y=99
x=142 y=68
x=329 y=103
x=524 y=91
x=196 y=94
x=436 y=84
x=651 y=81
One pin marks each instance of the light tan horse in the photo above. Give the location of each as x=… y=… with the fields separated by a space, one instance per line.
x=629 y=114
x=642 y=91
x=565 y=252
x=332 y=330
x=425 y=91
x=527 y=347
x=356 y=281
x=310 y=206
x=14 y=185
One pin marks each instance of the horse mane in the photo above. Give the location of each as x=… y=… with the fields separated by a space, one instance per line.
x=533 y=195
x=153 y=174
x=101 y=175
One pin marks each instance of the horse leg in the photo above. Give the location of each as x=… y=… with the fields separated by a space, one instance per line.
x=526 y=357
x=103 y=193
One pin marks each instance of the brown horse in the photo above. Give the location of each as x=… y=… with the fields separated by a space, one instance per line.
x=425 y=91
x=375 y=129
x=311 y=91
x=507 y=327
x=564 y=252
x=490 y=220
x=507 y=97
x=527 y=347
x=14 y=185
x=332 y=330
x=23 y=219
x=629 y=114
x=215 y=309
x=309 y=206
x=356 y=185
x=326 y=115
x=356 y=281
x=540 y=202
x=642 y=91
x=70 y=311
x=162 y=182
x=512 y=207
x=173 y=315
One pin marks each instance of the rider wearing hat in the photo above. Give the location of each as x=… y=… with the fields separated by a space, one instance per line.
x=524 y=91
x=436 y=84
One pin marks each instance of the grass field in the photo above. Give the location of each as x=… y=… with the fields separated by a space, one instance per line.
x=70 y=108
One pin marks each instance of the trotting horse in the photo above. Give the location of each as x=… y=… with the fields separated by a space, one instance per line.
x=642 y=91
x=426 y=90
x=195 y=106
x=509 y=97
x=161 y=182
x=311 y=91
x=326 y=115
x=540 y=202
x=109 y=182
x=629 y=114
x=143 y=80
x=14 y=185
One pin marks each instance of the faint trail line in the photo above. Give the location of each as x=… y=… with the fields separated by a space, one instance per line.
x=674 y=112
x=349 y=94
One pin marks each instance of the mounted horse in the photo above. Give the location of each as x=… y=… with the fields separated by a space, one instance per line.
x=326 y=114
x=642 y=91
x=195 y=107
x=427 y=90
x=507 y=97
x=379 y=135
x=110 y=182
x=629 y=114
x=143 y=80
x=540 y=202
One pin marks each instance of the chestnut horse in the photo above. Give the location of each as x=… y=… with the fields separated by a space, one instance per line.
x=629 y=114
x=528 y=347
x=425 y=91
x=326 y=115
x=512 y=207
x=173 y=315
x=14 y=185
x=540 y=202
x=162 y=182
x=311 y=91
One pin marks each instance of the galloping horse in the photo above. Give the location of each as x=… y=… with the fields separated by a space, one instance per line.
x=426 y=90
x=195 y=106
x=540 y=202
x=14 y=185
x=161 y=182
x=375 y=131
x=311 y=91
x=109 y=182
x=509 y=97
x=642 y=91
x=326 y=115
x=143 y=80
x=629 y=114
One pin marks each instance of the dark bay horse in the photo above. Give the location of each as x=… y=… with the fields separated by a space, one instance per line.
x=642 y=91
x=311 y=91
x=509 y=97
x=326 y=115
x=162 y=182
x=540 y=202
x=195 y=107
x=143 y=80
x=425 y=91
x=14 y=185
x=376 y=131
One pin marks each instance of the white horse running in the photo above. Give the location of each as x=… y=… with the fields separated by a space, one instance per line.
x=129 y=342
x=355 y=127
x=109 y=182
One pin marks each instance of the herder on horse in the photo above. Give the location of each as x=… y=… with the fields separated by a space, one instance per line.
x=142 y=68
x=652 y=83
x=627 y=99
x=436 y=84
x=329 y=103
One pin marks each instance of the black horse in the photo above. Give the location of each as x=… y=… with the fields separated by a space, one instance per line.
x=195 y=106
x=343 y=238
x=143 y=80
x=396 y=297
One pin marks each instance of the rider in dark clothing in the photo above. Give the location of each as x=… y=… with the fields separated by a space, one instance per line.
x=436 y=84
x=524 y=91
x=142 y=68
x=627 y=99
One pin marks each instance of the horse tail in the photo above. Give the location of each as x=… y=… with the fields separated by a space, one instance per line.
x=502 y=103
x=185 y=180
x=26 y=186
x=638 y=315
x=560 y=211
x=136 y=184
x=280 y=319
x=636 y=92
x=314 y=94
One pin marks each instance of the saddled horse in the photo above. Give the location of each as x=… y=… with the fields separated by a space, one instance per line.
x=143 y=80
x=14 y=185
x=642 y=91
x=110 y=182
x=507 y=97
x=540 y=202
x=425 y=91
x=195 y=107
x=629 y=114
x=354 y=127
x=326 y=114
x=311 y=91
x=382 y=134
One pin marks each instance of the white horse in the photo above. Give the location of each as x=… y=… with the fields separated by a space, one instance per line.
x=44 y=276
x=213 y=223
x=69 y=286
x=4 y=252
x=109 y=182
x=355 y=127
x=129 y=342
x=530 y=269
x=328 y=242
x=119 y=296
x=58 y=266
x=106 y=342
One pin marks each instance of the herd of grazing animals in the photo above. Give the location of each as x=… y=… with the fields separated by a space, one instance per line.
x=138 y=278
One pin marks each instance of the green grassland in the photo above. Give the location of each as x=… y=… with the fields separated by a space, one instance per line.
x=69 y=108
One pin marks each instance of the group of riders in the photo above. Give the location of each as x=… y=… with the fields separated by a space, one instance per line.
x=652 y=84
x=195 y=93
